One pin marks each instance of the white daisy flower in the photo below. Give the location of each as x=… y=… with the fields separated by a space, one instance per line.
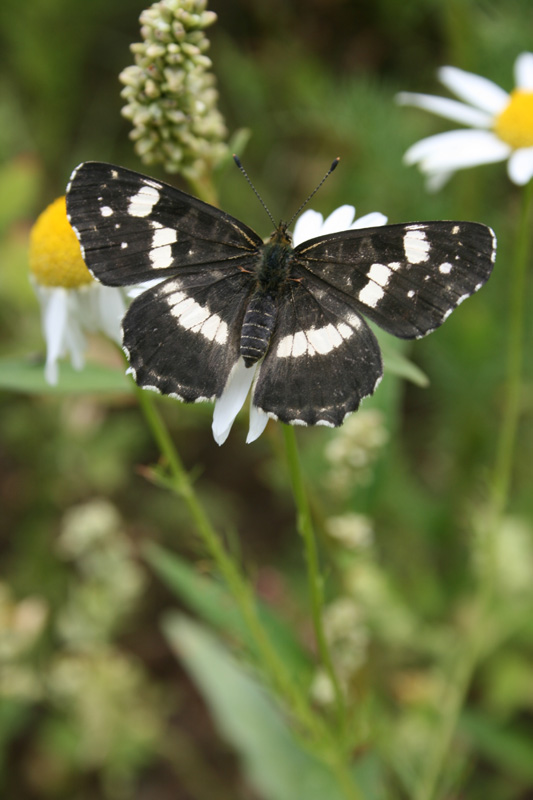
x=501 y=125
x=308 y=225
x=72 y=302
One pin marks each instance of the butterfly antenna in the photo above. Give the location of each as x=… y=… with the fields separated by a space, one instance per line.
x=328 y=173
x=238 y=162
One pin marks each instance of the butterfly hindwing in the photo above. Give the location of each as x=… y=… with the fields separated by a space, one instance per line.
x=322 y=361
x=406 y=278
x=133 y=228
x=182 y=336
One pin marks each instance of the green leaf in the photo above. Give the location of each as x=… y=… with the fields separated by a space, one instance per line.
x=509 y=750
x=27 y=375
x=397 y=364
x=214 y=604
x=273 y=760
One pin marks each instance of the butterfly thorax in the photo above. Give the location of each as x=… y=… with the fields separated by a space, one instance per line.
x=271 y=272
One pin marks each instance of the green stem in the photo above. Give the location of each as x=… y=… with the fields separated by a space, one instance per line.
x=451 y=704
x=235 y=581
x=314 y=578
x=324 y=742
x=204 y=188
x=515 y=357
x=474 y=646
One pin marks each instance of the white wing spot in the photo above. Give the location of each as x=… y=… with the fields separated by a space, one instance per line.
x=455 y=230
x=194 y=317
x=445 y=268
x=285 y=347
x=213 y=329
x=161 y=253
x=371 y=294
x=161 y=257
x=142 y=203
x=324 y=340
x=353 y=320
x=299 y=345
x=163 y=236
x=379 y=273
x=494 y=243
x=411 y=293
x=416 y=246
x=314 y=341
x=123 y=245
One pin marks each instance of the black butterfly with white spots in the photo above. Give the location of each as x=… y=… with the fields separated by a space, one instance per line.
x=293 y=315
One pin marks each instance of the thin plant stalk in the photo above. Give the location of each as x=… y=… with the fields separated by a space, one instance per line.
x=314 y=578
x=475 y=645
x=515 y=357
x=324 y=740
x=238 y=586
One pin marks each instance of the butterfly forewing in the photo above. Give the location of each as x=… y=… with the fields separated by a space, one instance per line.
x=133 y=228
x=405 y=278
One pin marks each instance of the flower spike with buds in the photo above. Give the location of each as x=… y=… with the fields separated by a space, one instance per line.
x=170 y=94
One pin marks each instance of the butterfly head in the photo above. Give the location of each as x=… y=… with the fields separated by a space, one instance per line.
x=281 y=236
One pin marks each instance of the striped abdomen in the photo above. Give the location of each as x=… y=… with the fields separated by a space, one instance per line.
x=257 y=327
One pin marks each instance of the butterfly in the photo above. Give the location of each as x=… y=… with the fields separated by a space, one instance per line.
x=220 y=299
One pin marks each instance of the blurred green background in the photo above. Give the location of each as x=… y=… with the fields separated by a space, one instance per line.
x=93 y=701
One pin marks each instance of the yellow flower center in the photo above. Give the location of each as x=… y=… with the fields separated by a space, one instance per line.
x=515 y=123
x=55 y=255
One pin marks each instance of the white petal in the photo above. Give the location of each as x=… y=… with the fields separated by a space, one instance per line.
x=139 y=288
x=523 y=71
x=474 y=89
x=232 y=399
x=450 y=109
x=55 y=313
x=436 y=180
x=338 y=220
x=307 y=226
x=520 y=166
x=446 y=152
x=258 y=423
x=111 y=309
x=75 y=341
x=84 y=307
x=372 y=220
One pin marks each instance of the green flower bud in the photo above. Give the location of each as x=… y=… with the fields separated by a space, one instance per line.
x=170 y=94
